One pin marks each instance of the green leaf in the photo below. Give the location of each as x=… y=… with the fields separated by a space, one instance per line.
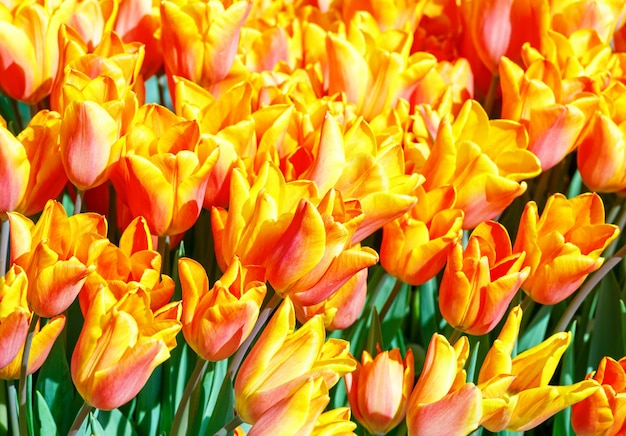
x=149 y=404
x=94 y=425
x=47 y=426
x=606 y=336
x=535 y=333
x=54 y=382
x=562 y=420
x=374 y=335
x=472 y=374
x=4 y=407
x=428 y=310
x=222 y=410
x=115 y=423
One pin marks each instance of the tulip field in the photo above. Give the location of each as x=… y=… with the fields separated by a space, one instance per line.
x=312 y=217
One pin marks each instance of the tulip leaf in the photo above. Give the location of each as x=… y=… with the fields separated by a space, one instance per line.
x=47 y=425
x=95 y=428
x=535 y=332
x=54 y=382
x=562 y=420
x=606 y=336
x=222 y=412
x=4 y=410
x=575 y=185
x=149 y=404
x=470 y=366
x=114 y=422
x=177 y=370
x=374 y=335
x=428 y=310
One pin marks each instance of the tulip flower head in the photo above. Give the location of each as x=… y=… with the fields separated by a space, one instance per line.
x=604 y=412
x=516 y=393
x=379 y=388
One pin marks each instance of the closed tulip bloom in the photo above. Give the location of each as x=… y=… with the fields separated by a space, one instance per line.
x=479 y=282
x=14 y=171
x=604 y=412
x=415 y=246
x=216 y=321
x=379 y=388
x=15 y=317
x=29 y=51
x=442 y=400
x=516 y=393
x=335 y=422
x=563 y=245
x=119 y=346
x=283 y=360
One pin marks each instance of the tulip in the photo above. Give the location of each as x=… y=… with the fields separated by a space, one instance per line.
x=479 y=282
x=47 y=177
x=217 y=321
x=442 y=400
x=486 y=161
x=29 y=51
x=312 y=275
x=295 y=414
x=415 y=247
x=283 y=360
x=603 y=413
x=379 y=388
x=14 y=171
x=168 y=167
x=563 y=245
x=119 y=346
x=516 y=393
x=334 y=422
x=53 y=253
x=200 y=39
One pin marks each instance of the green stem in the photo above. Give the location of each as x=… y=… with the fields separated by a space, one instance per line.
x=391 y=299
x=78 y=203
x=80 y=418
x=491 y=94
x=179 y=426
x=235 y=363
x=164 y=250
x=12 y=406
x=229 y=426
x=455 y=336
x=526 y=305
x=23 y=391
x=586 y=289
x=18 y=116
x=4 y=246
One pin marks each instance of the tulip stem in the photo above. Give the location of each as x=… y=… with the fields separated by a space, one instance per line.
x=23 y=391
x=179 y=426
x=586 y=289
x=391 y=299
x=4 y=246
x=491 y=94
x=78 y=203
x=229 y=427
x=243 y=349
x=163 y=247
x=80 y=418
x=12 y=406
x=455 y=336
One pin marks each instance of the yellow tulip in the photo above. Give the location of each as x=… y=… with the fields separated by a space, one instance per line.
x=516 y=393
x=283 y=360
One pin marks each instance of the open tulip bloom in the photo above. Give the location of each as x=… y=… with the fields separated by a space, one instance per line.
x=300 y=217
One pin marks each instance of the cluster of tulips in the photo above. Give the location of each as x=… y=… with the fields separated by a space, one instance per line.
x=318 y=217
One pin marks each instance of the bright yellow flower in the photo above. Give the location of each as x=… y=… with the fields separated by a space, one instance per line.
x=516 y=393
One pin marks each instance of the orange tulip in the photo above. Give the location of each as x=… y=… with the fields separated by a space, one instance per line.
x=314 y=274
x=283 y=360
x=200 y=39
x=47 y=177
x=516 y=393
x=415 y=247
x=119 y=346
x=563 y=245
x=486 y=161
x=442 y=401
x=604 y=412
x=53 y=253
x=479 y=282
x=14 y=171
x=167 y=165
x=29 y=51
x=15 y=317
x=217 y=321
x=379 y=388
